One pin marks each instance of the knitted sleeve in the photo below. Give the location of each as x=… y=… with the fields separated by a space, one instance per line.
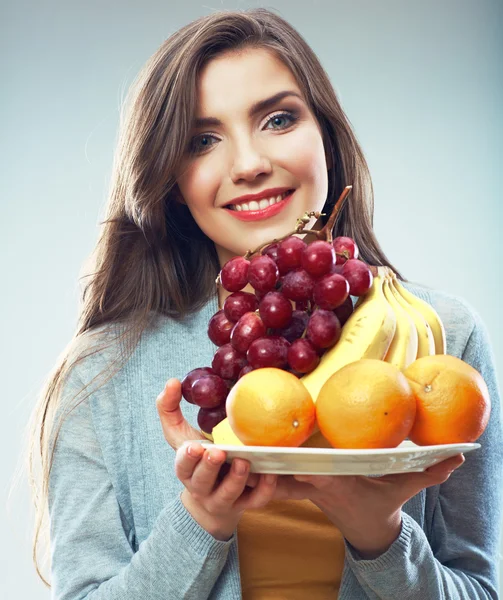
x=93 y=548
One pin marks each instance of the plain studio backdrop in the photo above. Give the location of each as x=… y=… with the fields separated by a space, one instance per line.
x=421 y=81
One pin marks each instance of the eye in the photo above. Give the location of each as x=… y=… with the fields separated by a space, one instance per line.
x=195 y=148
x=287 y=116
x=200 y=143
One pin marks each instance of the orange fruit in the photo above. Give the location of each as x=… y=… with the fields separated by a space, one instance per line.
x=366 y=404
x=453 y=403
x=270 y=407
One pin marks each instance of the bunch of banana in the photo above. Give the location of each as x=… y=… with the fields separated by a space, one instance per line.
x=389 y=323
x=430 y=316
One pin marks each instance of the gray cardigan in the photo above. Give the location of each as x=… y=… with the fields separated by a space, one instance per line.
x=119 y=531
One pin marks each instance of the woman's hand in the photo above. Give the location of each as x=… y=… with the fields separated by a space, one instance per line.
x=215 y=500
x=218 y=505
x=366 y=510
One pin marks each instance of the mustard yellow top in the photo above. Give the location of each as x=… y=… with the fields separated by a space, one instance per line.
x=289 y=549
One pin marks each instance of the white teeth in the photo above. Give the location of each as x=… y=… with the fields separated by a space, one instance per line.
x=254 y=205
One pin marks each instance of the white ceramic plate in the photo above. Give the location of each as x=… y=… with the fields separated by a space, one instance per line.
x=405 y=458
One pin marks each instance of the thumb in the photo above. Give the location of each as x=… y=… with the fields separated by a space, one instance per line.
x=175 y=427
x=412 y=483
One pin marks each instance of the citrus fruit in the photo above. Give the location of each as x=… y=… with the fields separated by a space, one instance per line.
x=453 y=403
x=270 y=407
x=366 y=404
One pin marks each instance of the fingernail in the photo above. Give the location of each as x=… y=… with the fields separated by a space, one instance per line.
x=193 y=450
x=239 y=467
x=270 y=478
x=214 y=460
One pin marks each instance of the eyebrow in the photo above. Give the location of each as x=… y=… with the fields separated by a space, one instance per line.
x=254 y=109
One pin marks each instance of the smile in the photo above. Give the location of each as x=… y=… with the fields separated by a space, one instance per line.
x=260 y=204
x=261 y=209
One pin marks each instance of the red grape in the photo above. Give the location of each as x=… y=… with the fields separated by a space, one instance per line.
x=275 y=310
x=345 y=248
x=263 y=273
x=302 y=356
x=208 y=418
x=249 y=328
x=272 y=251
x=239 y=303
x=298 y=285
x=359 y=276
x=296 y=328
x=234 y=274
x=290 y=254
x=189 y=379
x=259 y=295
x=318 y=258
x=344 y=311
x=227 y=362
x=219 y=328
x=330 y=291
x=246 y=369
x=209 y=391
x=268 y=352
x=323 y=328
x=229 y=383
x=337 y=268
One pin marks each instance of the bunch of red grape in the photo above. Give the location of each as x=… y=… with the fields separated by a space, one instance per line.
x=300 y=302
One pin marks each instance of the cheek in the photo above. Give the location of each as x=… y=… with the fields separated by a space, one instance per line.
x=306 y=156
x=199 y=184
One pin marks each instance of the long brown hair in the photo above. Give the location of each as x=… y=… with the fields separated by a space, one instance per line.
x=151 y=258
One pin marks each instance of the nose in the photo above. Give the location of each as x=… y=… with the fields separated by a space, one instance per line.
x=248 y=162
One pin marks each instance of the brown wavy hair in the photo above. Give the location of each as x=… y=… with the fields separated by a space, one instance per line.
x=151 y=257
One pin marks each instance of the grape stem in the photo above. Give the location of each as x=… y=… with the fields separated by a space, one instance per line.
x=325 y=233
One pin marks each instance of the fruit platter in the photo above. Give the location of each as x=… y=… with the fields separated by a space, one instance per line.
x=326 y=364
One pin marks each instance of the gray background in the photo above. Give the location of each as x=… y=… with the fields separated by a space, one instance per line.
x=420 y=80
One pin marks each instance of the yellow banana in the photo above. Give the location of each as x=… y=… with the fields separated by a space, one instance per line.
x=426 y=341
x=223 y=434
x=429 y=313
x=366 y=334
x=403 y=348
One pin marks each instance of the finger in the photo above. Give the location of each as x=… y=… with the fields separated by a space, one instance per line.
x=175 y=427
x=320 y=482
x=289 y=488
x=260 y=495
x=186 y=459
x=410 y=484
x=253 y=479
x=232 y=487
x=206 y=472
x=445 y=468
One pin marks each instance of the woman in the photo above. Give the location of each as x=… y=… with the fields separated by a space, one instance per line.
x=235 y=104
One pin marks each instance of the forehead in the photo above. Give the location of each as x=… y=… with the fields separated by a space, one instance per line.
x=236 y=80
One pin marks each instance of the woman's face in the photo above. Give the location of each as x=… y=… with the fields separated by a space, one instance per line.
x=243 y=151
